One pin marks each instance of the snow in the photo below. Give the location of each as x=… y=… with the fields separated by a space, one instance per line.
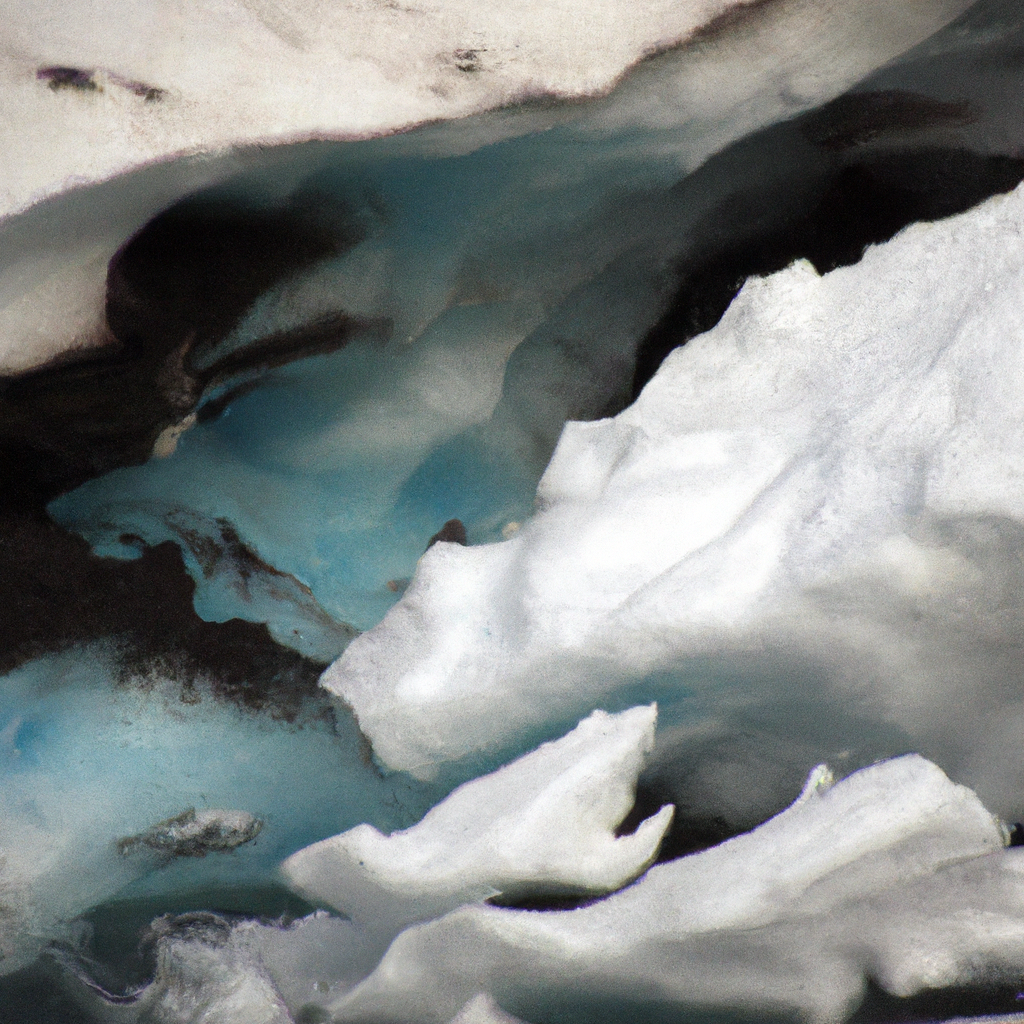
x=827 y=483
x=482 y=1009
x=894 y=871
x=160 y=79
x=542 y=824
x=232 y=85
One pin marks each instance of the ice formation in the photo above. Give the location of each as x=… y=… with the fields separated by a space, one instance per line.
x=803 y=540
x=894 y=871
x=121 y=789
x=541 y=825
x=108 y=90
x=828 y=479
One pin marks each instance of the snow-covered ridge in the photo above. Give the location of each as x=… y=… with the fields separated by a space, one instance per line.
x=830 y=477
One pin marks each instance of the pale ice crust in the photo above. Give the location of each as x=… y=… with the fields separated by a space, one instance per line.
x=544 y=823
x=181 y=77
x=250 y=73
x=830 y=479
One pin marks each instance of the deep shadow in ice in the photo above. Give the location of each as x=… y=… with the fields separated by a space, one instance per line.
x=36 y=995
x=174 y=290
x=855 y=202
x=948 y=1004
x=857 y=118
x=878 y=1007
x=587 y=1007
x=67 y=596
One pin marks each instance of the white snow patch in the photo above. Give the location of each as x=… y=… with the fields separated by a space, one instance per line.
x=544 y=823
x=894 y=871
x=831 y=476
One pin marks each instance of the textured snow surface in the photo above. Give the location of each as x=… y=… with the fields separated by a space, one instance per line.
x=894 y=871
x=827 y=483
x=109 y=86
x=544 y=823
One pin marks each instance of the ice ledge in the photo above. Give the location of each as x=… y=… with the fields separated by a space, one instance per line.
x=107 y=89
x=831 y=477
x=886 y=873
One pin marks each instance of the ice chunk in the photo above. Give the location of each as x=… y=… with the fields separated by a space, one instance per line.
x=542 y=824
x=894 y=872
x=829 y=478
x=202 y=977
x=209 y=969
x=196 y=833
x=482 y=1009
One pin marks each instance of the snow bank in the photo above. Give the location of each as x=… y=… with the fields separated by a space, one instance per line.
x=172 y=92
x=828 y=482
x=543 y=824
x=894 y=872
x=109 y=88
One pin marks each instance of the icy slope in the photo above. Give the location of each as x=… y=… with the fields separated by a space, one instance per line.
x=829 y=480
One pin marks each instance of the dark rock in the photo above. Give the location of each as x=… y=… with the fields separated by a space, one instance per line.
x=453 y=532
x=196 y=833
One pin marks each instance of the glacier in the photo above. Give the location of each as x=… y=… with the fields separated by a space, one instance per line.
x=389 y=388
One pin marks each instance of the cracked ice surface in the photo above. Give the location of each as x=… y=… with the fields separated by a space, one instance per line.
x=829 y=480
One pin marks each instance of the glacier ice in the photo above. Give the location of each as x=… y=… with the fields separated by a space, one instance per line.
x=142 y=82
x=827 y=481
x=139 y=789
x=543 y=824
x=893 y=871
